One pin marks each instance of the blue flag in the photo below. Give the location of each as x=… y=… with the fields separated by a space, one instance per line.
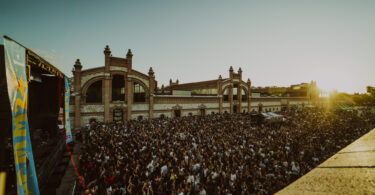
x=68 y=131
x=15 y=65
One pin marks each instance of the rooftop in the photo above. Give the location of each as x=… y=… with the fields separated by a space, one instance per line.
x=194 y=84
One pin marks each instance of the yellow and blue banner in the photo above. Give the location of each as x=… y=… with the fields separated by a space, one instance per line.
x=15 y=64
x=68 y=131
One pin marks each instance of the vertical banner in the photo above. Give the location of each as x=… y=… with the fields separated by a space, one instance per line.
x=15 y=65
x=68 y=131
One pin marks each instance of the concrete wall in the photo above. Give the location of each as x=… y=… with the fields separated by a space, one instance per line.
x=118 y=68
x=117 y=104
x=265 y=103
x=188 y=106
x=135 y=116
x=166 y=114
x=140 y=107
x=86 y=119
x=185 y=106
x=227 y=104
x=92 y=108
x=181 y=93
x=349 y=171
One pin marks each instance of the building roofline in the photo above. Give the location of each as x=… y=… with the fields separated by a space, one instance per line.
x=194 y=84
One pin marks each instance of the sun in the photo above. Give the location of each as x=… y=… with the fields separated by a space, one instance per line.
x=328 y=83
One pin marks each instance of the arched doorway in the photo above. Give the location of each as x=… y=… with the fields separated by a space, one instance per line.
x=260 y=108
x=94 y=92
x=202 y=112
x=177 y=113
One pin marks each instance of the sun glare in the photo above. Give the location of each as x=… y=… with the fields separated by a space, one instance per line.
x=327 y=84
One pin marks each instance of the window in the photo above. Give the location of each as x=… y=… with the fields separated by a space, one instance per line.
x=140 y=117
x=139 y=93
x=243 y=95
x=162 y=116
x=202 y=112
x=117 y=115
x=190 y=114
x=94 y=93
x=177 y=113
x=235 y=97
x=118 y=88
x=226 y=95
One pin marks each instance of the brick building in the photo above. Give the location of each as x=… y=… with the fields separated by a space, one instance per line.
x=116 y=92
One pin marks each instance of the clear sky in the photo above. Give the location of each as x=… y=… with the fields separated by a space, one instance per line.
x=275 y=42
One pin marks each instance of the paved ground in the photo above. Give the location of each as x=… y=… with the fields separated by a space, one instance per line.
x=67 y=182
x=350 y=171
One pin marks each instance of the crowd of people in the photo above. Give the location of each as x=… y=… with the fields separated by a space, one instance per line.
x=214 y=154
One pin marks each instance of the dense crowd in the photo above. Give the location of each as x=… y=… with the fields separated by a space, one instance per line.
x=215 y=154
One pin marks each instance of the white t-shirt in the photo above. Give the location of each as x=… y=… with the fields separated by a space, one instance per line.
x=164 y=169
x=202 y=192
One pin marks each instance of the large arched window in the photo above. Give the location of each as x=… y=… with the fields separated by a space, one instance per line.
x=226 y=95
x=118 y=88
x=243 y=95
x=235 y=97
x=94 y=93
x=139 y=93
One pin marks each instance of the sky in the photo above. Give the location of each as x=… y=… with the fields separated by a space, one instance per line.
x=275 y=42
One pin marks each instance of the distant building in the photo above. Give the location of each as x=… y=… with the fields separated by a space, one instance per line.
x=299 y=90
x=371 y=90
x=117 y=92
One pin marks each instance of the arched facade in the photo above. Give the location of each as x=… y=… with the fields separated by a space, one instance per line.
x=117 y=92
x=88 y=84
x=117 y=80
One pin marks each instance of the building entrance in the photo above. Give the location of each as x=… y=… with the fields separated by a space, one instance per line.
x=177 y=113
x=260 y=108
x=202 y=112
x=117 y=115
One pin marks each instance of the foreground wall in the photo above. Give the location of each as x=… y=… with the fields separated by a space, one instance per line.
x=350 y=171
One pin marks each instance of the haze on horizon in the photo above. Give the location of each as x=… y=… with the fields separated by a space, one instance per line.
x=276 y=43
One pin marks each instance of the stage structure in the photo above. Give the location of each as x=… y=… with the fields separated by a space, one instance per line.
x=34 y=97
